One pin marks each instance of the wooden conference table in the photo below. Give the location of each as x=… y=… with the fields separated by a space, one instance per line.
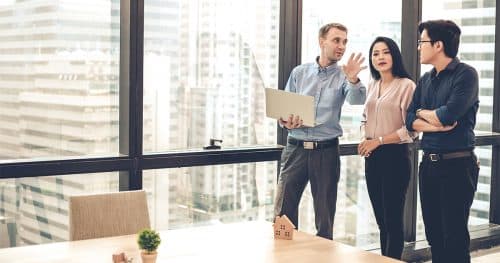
x=238 y=242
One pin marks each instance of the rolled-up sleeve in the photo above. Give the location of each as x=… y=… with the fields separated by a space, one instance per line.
x=411 y=114
x=403 y=133
x=463 y=96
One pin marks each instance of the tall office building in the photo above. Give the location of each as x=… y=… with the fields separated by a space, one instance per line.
x=477 y=48
x=204 y=76
x=477 y=20
x=223 y=70
x=59 y=84
x=354 y=220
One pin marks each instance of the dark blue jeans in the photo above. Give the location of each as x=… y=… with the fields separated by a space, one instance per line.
x=321 y=167
x=387 y=172
x=447 y=190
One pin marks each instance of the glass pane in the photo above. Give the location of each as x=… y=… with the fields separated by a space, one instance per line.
x=477 y=44
x=186 y=197
x=354 y=220
x=206 y=64
x=360 y=34
x=477 y=48
x=480 y=210
x=35 y=210
x=59 y=67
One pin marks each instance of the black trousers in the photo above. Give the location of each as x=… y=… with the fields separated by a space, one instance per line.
x=321 y=167
x=447 y=190
x=387 y=172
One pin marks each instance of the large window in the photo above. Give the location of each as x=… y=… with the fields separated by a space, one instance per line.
x=477 y=45
x=362 y=30
x=58 y=78
x=354 y=221
x=477 y=48
x=206 y=64
x=35 y=210
x=186 y=197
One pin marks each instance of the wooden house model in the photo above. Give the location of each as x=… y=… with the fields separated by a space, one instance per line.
x=283 y=228
x=119 y=257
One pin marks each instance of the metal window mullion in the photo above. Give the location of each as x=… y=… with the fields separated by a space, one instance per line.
x=63 y=167
x=290 y=41
x=410 y=16
x=131 y=90
x=495 y=158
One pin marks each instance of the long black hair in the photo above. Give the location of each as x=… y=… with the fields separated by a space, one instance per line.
x=398 y=68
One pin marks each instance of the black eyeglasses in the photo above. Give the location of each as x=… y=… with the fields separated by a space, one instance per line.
x=419 y=42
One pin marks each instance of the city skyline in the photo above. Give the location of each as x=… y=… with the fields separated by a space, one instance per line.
x=206 y=64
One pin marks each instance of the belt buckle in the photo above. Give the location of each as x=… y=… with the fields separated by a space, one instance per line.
x=434 y=157
x=309 y=145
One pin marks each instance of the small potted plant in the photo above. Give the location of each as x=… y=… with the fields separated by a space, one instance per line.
x=148 y=241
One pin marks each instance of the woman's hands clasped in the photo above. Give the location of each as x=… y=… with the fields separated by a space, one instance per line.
x=366 y=147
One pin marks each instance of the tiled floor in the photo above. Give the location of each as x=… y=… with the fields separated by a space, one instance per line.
x=491 y=255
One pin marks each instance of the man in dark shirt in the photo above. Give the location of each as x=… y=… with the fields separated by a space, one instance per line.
x=444 y=108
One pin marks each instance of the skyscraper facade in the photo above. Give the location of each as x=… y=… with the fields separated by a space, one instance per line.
x=205 y=70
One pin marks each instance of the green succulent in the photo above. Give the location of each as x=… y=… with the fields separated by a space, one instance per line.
x=148 y=240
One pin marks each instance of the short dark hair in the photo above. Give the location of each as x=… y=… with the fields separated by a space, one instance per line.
x=443 y=30
x=323 y=31
x=398 y=68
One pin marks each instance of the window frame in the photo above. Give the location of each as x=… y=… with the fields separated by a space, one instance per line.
x=131 y=161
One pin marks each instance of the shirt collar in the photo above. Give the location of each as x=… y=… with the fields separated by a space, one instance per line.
x=326 y=69
x=450 y=67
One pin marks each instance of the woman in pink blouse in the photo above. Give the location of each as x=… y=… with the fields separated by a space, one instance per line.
x=385 y=146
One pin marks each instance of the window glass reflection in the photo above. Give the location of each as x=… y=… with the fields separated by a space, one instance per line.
x=59 y=72
x=35 y=210
x=187 y=197
x=477 y=47
x=361 y=32
x=354 y=220
x=206 y=64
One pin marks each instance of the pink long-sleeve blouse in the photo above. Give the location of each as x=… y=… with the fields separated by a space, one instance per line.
x=386 y=114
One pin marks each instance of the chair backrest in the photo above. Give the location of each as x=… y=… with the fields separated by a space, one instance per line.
x=110 y=214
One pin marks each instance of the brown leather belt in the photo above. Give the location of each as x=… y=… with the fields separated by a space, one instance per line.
x=434 y=157
x=311 y=145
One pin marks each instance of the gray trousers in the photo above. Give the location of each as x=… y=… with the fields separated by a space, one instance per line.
x=321 y=167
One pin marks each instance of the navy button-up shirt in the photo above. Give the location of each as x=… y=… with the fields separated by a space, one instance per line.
x=453 y=93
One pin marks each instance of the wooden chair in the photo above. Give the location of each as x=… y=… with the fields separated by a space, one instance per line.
x=110 y=214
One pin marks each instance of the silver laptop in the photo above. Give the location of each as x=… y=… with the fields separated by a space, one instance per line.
x=280 y=104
